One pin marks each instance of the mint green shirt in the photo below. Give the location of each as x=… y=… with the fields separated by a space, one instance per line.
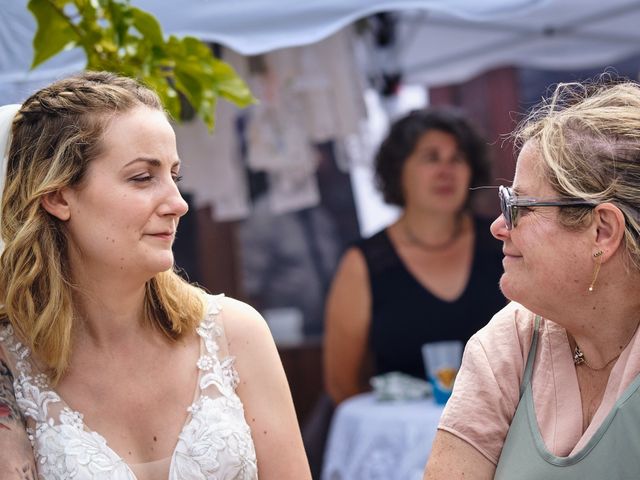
x=612 y=453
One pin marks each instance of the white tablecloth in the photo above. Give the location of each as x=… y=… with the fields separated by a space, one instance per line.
x=373 y=440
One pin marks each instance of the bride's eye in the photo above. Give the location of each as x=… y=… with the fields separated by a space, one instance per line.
x=142 y=178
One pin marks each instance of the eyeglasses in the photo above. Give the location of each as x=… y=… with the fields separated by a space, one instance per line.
x=510 y=204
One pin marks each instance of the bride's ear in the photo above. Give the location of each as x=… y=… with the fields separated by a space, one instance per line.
x=56 y=204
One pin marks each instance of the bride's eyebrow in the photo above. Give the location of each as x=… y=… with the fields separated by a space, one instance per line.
x=151 y=161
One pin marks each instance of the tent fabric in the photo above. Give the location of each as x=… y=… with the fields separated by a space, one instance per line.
x=248 y=27
x=256 y=26
x=439 y=41
x=558 y=35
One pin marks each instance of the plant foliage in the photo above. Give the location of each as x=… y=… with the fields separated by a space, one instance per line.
x=121 y=38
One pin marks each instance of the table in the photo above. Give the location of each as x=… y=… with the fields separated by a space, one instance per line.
x=375 y=440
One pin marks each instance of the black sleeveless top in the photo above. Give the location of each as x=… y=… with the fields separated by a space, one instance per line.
x=405 y=315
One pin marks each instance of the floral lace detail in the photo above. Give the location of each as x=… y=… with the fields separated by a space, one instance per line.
x=206 y=362
x=215 y=443
x=64 y=448
x=41 y=381
x=33 y=402
x=68 y=451
x=20 y=352
x=221 y=374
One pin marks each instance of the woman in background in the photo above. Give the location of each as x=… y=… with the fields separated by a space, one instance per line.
x=430 y=276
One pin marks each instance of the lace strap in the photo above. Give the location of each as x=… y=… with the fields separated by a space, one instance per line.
x=215 y=364
x=18 y=354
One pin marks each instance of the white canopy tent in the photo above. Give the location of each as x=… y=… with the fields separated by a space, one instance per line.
x=555 y=35
x=438 y=41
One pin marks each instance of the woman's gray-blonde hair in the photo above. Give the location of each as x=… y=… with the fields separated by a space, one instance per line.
x=588 y=135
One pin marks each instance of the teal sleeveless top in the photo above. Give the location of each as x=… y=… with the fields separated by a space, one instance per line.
x=612 y=453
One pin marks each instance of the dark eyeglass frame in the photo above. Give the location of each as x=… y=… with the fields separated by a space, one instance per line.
x=510 y=202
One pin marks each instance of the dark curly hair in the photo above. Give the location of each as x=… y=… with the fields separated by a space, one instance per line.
x=404 y=136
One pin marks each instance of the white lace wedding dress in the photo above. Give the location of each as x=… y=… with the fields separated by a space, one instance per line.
x=215 y=441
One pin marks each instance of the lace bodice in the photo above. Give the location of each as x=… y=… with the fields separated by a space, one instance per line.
x=215 y=441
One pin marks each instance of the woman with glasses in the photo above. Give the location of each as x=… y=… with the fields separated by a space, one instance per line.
x=549 y=388
x=430 y=276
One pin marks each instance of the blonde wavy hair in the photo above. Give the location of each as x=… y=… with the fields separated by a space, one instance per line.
x=55 y=135
x=588 y=135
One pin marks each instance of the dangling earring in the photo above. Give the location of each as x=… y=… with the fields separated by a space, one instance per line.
x=596 y=270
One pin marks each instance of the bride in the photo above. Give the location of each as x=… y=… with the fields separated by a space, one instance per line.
x=120 y=369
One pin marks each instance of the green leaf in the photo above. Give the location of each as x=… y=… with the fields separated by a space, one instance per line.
x=207 y=112
x=167 y=94
x=231 y=86
x=196 y=58
x=120 y=20
x=147 y=25
x=54 y=32
x=193 y=46
x=190 y=85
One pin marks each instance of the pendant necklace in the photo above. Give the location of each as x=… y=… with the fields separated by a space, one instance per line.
x=580 y=359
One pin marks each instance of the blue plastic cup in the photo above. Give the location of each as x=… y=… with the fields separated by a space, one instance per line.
x=442 y=361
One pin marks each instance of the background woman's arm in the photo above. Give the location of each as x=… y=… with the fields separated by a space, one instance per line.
x=347 y=320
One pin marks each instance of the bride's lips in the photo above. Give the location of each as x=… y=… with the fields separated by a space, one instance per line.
x=168 y=235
